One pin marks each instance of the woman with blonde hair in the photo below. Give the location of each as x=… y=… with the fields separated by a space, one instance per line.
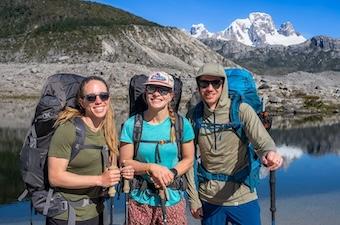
x=81 y=177
x=156 y=160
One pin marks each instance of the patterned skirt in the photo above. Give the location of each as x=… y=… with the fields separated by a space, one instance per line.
x=143 y=214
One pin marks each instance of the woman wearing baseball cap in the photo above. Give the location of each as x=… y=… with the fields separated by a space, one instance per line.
x=157 y=160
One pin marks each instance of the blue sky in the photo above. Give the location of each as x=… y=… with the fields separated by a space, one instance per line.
x=309 y=17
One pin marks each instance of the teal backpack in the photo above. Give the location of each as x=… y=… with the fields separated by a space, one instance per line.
x=241 y=88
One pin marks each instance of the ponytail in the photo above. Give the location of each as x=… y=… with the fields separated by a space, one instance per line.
x=173 y=121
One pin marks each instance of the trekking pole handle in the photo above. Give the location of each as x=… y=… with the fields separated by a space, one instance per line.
x=112 y=189
x=126 y=186
x=163 y=194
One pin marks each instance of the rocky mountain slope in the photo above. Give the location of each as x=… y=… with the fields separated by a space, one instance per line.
x=80 y=32
x=43 y=43
x=317 y=54
x=24 y=17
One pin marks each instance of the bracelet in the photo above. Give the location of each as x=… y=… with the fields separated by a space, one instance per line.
x=175 y=172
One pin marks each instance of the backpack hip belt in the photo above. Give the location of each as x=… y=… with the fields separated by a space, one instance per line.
x=204 y=175
x=249 y=175
x=71 y=205
x=142 y=184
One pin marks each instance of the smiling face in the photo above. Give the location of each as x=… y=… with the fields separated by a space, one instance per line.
x=158 y=97
x=210 y=88
x=95 y=100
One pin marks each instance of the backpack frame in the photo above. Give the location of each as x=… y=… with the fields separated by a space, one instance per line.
x=241 y=88
x=59 y=91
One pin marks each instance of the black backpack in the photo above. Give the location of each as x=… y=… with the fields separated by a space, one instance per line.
x=138 y=105
x=137 y=88
x=59 y=91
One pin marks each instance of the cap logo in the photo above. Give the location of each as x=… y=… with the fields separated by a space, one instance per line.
x=158 y=77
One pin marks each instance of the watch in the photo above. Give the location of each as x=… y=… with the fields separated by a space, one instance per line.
x=175 y=172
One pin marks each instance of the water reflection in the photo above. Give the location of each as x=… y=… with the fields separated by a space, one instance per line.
x=316 y=140
x=10 y=179
x=293 y=143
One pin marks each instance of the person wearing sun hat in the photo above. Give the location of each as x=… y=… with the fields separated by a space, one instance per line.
x=156 y=161
x=221 y=198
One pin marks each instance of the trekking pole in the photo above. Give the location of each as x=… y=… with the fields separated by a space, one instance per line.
x=272 y=195
x=163 y=196
x=112 y=191
x=126 y=190
x=272 y=179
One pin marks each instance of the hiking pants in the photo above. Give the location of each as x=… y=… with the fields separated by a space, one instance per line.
x=94 y=221
x=245 y=214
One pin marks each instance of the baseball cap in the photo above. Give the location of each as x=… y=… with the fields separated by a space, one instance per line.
x=212 y=69
x=160 y=78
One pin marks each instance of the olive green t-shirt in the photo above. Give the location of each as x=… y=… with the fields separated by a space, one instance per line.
x=86 y=162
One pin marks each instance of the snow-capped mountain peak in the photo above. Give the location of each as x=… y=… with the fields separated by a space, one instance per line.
x=199 y=31
x=287 y=29
x=256 y=30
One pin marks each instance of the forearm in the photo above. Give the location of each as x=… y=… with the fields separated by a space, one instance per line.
x=70 y=180
x=139 y=167
x=187 y=160
x=184 y=165
x=126 y=159
x=193 y=197
x=59 y=176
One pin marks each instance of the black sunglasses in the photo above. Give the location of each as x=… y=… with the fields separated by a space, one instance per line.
x=214 y=83
x=92 y=97
x=150 y=89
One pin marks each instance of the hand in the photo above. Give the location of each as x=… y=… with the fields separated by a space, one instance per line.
x=160 y=175
x=273 y=160
x=197 y=213
x=127 y=172
x=110 y=177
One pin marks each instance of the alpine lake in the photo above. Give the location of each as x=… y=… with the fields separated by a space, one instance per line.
x=307 y=186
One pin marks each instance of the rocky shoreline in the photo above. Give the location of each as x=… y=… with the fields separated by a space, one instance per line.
x=292 y=94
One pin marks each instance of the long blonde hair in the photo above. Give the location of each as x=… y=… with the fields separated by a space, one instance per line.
x=173 y=122
x=108 y=124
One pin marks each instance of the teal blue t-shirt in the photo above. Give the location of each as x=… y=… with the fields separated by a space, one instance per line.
x=146 y=153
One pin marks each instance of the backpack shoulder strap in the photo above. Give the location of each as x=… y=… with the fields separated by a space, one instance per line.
x=197 y=119
x=79 y=142
x=179 y=134
x=137 y=132
x=80 y=137
x=234 y=115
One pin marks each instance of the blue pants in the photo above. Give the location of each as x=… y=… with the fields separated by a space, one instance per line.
x=245 y=214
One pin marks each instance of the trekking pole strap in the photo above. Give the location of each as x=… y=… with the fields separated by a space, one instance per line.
x=23 y=195
x=48 y=201
x=105 y=156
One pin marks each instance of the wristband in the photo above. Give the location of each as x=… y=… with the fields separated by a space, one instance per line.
x=175 y=172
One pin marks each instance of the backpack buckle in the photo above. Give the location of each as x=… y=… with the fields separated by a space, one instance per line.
x=64 y=205
x=86 y=202
x=161 y=142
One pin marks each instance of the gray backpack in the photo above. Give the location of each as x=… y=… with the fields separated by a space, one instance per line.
x=59 y=91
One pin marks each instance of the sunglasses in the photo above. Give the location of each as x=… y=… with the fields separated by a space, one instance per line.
x=214 y=83
x=150 y=89
x=92 y=97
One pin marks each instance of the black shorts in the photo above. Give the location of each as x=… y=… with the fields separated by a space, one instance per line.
x=94 y=221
